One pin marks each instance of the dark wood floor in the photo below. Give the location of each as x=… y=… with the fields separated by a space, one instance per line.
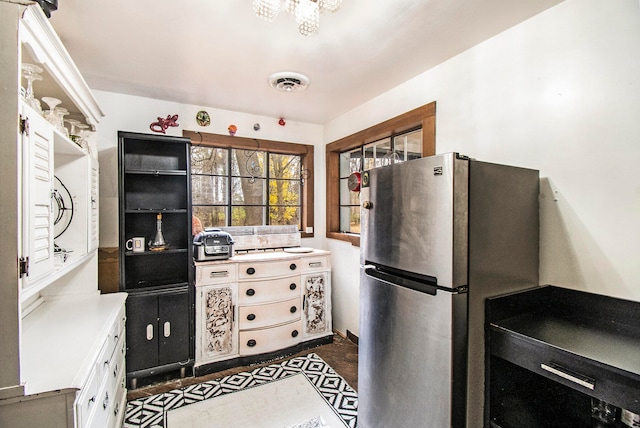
x=342 y=355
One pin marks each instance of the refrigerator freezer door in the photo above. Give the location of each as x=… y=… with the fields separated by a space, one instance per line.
x=406 y=357
x=418 y=219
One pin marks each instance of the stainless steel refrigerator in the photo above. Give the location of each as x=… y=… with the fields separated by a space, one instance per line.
x=438 y=235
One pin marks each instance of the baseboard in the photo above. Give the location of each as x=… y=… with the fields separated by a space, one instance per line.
x=352 y=337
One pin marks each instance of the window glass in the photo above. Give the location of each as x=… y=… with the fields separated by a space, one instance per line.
x=237 y=187
x=408 y=146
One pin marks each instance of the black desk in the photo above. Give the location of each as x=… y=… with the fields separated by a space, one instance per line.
x=551 y=349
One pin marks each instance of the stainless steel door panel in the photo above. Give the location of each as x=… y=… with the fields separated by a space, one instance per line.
x=418 y=220
x=405 y=357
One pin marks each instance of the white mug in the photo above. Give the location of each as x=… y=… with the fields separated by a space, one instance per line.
x=135 y=244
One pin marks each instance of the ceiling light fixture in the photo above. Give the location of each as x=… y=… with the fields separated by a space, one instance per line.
x=306 y=12
x=288 y=81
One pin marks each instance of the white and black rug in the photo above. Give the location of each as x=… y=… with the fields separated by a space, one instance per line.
x=151 y=412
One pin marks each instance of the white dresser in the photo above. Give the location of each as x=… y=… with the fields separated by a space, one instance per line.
x=255 y=306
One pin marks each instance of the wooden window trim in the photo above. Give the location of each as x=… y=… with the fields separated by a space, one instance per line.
x=424 y=116
x=303 y=150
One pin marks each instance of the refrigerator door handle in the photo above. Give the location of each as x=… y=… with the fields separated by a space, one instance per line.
x=421 y=287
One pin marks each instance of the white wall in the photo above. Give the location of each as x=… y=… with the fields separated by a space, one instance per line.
x=135 y=114
x=559 y=93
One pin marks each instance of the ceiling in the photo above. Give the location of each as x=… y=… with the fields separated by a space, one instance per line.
x=219 y=54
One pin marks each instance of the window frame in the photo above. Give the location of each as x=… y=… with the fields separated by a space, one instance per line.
x=305 y=151
x=424 y=116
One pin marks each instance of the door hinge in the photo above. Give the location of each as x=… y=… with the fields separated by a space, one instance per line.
x=24 y=125
x=23 y=266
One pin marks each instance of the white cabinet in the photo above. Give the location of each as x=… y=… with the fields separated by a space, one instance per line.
x=255 y=305
x=216 y=326
x=62 y=349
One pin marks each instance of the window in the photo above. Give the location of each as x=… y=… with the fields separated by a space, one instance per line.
x=402 y=138
x=245 y=182
x=387 y=151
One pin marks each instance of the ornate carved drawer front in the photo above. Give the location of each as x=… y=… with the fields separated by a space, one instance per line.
x=270 y=339
x=271 y=269
x=216 y=274
x=256 y=292
x=259 y=316
x=216 y=338
x=312 y=264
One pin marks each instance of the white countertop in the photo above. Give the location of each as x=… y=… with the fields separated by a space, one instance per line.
x=62 y=338
x=259 y=256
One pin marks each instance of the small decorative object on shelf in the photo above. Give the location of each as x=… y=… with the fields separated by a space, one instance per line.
x=163 y=123
x=232 y=130
x=31 y=74
x=203 y=118
x=158 y=243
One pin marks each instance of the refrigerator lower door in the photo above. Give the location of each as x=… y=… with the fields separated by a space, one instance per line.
x=409 y=354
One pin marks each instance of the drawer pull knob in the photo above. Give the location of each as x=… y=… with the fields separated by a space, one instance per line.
x=294 y=333
x=251 y=292
x=292 y=266
x=293 y=286
x=251 y=317
x=251 y=271
x=251 y=343
x=293 y=309
x=105 y=402
x=149 y=331
x=569 y=375
x=315 y=264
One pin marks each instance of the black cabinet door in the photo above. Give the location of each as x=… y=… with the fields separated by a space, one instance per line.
x=157 y=329
x=142 y=332
x=173 y=324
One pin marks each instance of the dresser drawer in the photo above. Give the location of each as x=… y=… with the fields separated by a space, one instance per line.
x=270 y=269
x=312 y=264
x=87 y=399
x=216 y=274
x=273 y=290
x=259 y=316
x=269 y=339
x=109 y=352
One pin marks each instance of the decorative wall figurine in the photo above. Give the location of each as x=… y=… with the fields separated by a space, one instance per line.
x=232 y=130
x=281 y=122
x=203 y=118
x=162 y=124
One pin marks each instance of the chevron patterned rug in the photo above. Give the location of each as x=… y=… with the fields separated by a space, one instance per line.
x=306 y=390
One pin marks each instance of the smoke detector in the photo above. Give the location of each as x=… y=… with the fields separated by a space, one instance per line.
x=289 y=81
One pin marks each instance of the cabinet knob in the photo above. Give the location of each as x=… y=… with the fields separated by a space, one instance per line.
x=251 y=271
x=251 y=317
x=251 y=343
x=292 y=266
x=293 y=309
x=294 y=333
x=251 y=292
x=293 y=286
